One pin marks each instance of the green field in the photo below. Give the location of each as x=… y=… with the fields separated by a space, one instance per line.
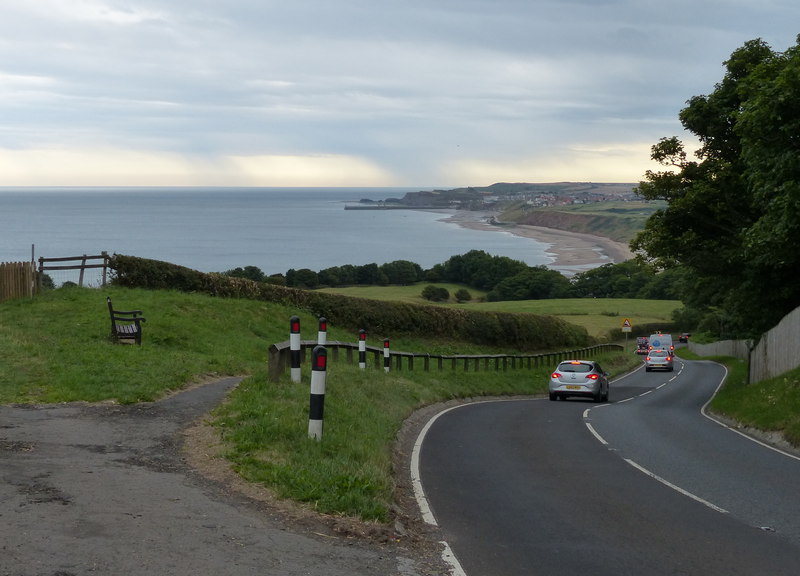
x=597 y=315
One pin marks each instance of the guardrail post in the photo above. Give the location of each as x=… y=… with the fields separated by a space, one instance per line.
x=387 y=362
x=317 y=397
x=362 y=348
x=294 y=347
x=322 y=334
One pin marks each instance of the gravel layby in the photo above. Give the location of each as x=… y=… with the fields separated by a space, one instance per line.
x=142 y=489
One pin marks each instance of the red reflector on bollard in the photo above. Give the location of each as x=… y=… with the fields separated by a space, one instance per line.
x=319 y=359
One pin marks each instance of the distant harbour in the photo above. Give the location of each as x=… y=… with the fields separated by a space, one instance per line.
x=381 y=206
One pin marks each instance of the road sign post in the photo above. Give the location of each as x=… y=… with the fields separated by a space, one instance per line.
x=627 y=327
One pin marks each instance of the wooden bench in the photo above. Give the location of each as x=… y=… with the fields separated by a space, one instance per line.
x=125 y=325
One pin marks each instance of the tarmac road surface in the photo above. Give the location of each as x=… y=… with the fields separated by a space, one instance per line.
x=106 y=489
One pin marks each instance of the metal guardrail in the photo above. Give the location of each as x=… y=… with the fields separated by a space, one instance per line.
x=279 y=357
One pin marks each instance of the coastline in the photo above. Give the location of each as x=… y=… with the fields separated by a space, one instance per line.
x=572 y=252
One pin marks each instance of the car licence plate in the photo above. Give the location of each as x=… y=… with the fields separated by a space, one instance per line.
x=573 y=387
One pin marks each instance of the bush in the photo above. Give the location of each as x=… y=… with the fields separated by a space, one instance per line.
x=435 y=293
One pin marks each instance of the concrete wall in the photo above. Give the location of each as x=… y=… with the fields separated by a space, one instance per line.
x=777 y=352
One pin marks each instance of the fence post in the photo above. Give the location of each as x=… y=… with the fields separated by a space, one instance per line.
x=294 y=347
x=317 y=397
x=83 y=269
x=362 y=348
x=387 y=363
x=104 y=254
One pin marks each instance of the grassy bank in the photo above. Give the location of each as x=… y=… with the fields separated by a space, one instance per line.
x=771 y=405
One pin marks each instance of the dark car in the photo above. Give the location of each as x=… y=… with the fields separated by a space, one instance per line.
x=579 y=378
x=684 y=337
x=642 y=345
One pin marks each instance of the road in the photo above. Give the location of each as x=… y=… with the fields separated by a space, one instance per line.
x=106 y=489
x=643 y=485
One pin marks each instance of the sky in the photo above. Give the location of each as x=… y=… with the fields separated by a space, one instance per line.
x=357 y=93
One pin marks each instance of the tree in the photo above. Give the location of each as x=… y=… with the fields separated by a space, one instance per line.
x=463 y=295
x=435 y=293
x=534 y=283
x=369 y=275
x=249 y=272
x=402 y=272
x=479 y=269
x=303 y=278
x=733 y=215
x=628 y=279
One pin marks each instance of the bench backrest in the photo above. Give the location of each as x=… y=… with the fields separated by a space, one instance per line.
x=125 y=325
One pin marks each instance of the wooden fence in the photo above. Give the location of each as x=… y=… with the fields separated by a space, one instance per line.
x=17 y=280
x=80 y=263
x=279 y=358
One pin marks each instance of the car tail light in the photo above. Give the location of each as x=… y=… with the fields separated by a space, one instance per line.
x=592 y=376
x=555 y=375
x=647 y=359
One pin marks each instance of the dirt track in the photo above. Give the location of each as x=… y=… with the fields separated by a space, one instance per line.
x=108 y=489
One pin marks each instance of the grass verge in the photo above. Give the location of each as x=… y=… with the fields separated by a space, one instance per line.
x=771 y=405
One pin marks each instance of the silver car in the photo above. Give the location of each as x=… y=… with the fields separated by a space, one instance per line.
x=579 y=378
x=658 y=360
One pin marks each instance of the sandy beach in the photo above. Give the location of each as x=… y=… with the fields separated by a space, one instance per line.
x=571 y=252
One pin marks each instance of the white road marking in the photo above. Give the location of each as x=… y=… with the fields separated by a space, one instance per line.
x=674 y=487
x=642 y=468
x=739 y=432
x=422 y=501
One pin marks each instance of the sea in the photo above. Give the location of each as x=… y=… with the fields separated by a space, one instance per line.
x=219 y=229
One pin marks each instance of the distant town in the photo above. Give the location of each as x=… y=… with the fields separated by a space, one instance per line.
x=497 y=195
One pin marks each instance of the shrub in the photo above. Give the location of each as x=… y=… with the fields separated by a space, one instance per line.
x=435 y=293
x=463 y=295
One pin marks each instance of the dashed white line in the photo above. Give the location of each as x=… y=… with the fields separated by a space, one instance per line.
x=642 y=468
x=674 y=487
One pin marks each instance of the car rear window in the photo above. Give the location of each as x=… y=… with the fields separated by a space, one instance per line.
x=659 y=353
x=569 y=367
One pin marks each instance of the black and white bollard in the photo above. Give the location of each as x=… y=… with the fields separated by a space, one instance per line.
x=322 y=335
x=317 y=403
x=362 y=348
x=387 y=361
x=294 y=347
